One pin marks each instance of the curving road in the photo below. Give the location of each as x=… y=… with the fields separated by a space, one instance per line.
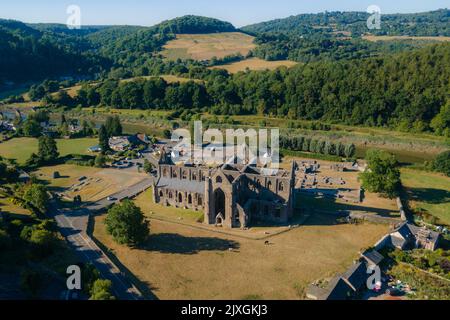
x=73 y=226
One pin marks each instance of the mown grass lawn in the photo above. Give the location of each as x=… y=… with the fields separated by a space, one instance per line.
x=21 y=149
x=429 y=192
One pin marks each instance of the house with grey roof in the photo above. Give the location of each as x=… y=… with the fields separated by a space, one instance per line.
x=342 y=287
x=409 y=236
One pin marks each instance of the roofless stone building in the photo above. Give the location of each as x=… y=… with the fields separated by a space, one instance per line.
x=231 y=195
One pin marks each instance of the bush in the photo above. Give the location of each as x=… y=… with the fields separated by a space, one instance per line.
x=43 y=240
x=442 y=163
x=101 y=290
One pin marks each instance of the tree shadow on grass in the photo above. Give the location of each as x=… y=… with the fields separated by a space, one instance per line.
x=429 y=195
x=178 y=244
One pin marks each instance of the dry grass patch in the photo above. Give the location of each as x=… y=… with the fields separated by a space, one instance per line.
x=255 y=64
x=182 y=262
x=207 y=46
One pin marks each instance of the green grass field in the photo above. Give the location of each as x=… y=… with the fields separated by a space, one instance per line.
x=428 y=192
x=20 y=149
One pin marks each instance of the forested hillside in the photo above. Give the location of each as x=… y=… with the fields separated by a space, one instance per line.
x=28 y=54
x=434 y=23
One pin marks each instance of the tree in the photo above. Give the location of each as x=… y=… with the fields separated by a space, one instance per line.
x=103 y=139
x=43 y=240
x=382 y=174
x=31 y=128
x=36 y=195
x=100 y=161
x=113 y=126
x=127 y=224
x=148 y=166
x=442 y=163
x=350 y=150
x=47 y=150
x=101 y=290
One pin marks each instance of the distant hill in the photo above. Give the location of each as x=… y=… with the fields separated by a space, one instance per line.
x=28 y=54
x=194 y=25
x=433 y=23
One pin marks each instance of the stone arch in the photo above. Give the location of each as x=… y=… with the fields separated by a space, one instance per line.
x=269 y=185
x=190 y=199
x=180 y=197
x=281 y=186
x=161 y=193
x=219 y=179
x=219 y=203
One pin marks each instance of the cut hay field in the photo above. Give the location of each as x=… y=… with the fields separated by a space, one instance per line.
x=21 y=149
x=182 y=262
x=392 y=38
x=428 y=192
x=255 y=64
x=207 y=46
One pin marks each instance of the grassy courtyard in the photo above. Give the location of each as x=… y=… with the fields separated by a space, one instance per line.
x=21 y=149
x=184 y=262
x=428 y=192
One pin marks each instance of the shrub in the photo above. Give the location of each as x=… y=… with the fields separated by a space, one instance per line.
x=101 y=290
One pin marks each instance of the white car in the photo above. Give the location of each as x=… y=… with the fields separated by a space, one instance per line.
x=110 y=198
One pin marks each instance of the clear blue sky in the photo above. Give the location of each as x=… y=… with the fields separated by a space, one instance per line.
x=238 y=12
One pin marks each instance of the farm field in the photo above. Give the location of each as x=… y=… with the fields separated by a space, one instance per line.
x=207 y=46
x=392 y=38
x=21 y=149
x=183 y=262
x=99 y=183
x=428 y=192
x=255 y=64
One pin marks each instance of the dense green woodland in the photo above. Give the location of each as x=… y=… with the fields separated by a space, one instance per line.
x=407 y=91
x=28 y=54
x=434 y=23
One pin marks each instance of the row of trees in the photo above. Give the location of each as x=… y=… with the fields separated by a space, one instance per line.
x=301 y=143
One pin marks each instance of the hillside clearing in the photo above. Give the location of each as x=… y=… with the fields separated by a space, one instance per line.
x=255 y=64
x=207 y=46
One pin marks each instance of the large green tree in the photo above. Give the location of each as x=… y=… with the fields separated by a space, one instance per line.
x=382 y=174
x=47 y=149
x=103 y=139
x=127 y=224
x=36 y=195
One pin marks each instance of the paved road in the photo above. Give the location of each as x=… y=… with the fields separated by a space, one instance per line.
x=73 y=226
x=117 y=197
